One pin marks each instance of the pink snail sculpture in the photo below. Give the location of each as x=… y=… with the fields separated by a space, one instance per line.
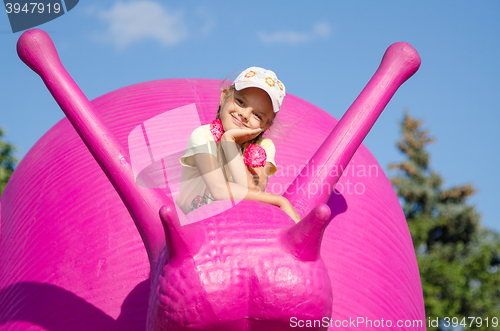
x=72 y=259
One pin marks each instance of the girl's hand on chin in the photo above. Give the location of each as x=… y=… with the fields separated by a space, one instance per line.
x=240 y=136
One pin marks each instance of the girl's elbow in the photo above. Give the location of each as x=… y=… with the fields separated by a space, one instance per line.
x=262 y=186
x=220 y=192
x=217 y=196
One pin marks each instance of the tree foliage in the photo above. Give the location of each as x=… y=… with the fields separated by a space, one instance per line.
x=7 y=161
x=458 y=259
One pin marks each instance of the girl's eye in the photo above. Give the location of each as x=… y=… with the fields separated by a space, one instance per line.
x=239 y=101
x=258 y=116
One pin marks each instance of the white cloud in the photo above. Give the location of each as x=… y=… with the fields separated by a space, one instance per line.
x=207 y=20
x=322 y=30
x=319 y=31
x=139 y=20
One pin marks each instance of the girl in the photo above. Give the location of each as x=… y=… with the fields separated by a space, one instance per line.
x=229 y=158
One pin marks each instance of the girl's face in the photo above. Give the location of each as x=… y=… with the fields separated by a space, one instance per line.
x=250 y=108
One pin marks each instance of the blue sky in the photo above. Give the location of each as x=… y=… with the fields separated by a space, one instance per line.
x=324 y=51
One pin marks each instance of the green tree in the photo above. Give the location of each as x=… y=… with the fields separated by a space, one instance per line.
x=7 y=161
x=458 y=259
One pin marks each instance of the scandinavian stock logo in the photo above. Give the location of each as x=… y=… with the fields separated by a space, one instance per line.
x=30 y=13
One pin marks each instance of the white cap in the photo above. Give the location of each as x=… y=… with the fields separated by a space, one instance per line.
x=263 y=79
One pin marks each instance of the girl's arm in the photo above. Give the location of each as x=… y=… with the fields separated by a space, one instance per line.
x=231 y=140
x=234 y=160
x=212 y=175
x=257 y=177
x=243 y=175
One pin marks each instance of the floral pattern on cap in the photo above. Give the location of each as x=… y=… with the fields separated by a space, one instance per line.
x=264 y=79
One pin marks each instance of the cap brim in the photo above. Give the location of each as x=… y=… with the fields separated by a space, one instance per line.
x=241 y=86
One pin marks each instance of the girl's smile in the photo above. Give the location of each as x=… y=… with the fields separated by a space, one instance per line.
x=237 y=121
